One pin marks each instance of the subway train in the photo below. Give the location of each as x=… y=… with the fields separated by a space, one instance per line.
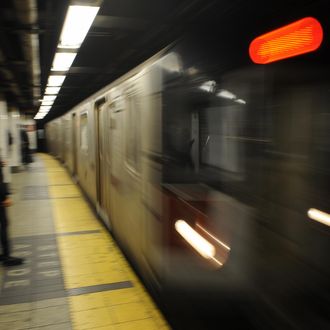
x=210 y=165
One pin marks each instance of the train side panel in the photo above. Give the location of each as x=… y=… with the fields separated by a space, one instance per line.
x=85 y=149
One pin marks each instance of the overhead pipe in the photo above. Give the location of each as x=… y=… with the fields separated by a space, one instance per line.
x=8 y=76
x=27 y=14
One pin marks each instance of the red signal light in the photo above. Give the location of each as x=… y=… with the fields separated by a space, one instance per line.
x=297 y=38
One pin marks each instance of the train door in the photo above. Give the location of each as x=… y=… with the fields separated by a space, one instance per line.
x=67 y=142
x=102 y=160
x=151 y=175
x=99 y=148
x=57 y=139
x=132 y=176
x=62 y=132
x=116 y=164
x=74 y=143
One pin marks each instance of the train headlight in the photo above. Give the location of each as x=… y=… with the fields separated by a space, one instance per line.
x=199 y=243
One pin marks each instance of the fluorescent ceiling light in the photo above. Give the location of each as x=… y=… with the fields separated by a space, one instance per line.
x=47 y=102
x=39 y=116
x=55 y=80
x=77 y=22
x=49 y=98
x=45 y=108
x=63 y=61
x=52 y=90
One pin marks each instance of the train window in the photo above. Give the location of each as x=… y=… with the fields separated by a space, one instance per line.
x=220 y=146
x=132 y=133
x=84 y=132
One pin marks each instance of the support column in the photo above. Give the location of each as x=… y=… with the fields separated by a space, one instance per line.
x=4 y=138
x=15 y=148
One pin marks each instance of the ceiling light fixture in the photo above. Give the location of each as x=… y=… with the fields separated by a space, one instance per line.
x=77 y=22
x=44 y=108
x=49 y=98
x=54 y=81
x=52 y=90
x=63 y=61
x=47 y=102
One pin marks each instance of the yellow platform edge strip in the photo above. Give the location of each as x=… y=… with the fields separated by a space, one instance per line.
x=92 y=259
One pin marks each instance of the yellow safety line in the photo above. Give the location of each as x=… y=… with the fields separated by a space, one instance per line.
x=94 y=259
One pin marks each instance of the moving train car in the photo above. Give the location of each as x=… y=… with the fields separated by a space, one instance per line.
x=210 y=165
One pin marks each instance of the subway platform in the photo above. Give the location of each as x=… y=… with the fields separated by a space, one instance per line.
x=74 y=275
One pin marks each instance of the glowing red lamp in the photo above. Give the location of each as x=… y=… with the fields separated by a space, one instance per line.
x=297 y=38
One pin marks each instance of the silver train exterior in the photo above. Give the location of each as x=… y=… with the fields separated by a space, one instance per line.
x=241 y=156
x=107 y=143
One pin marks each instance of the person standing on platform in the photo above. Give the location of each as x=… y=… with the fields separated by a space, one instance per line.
x=5 y=201
x=25 y=147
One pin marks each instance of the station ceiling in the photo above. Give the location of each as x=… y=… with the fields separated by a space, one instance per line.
x=124 y=33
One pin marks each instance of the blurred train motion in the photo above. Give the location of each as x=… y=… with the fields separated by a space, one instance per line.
x=213 y=172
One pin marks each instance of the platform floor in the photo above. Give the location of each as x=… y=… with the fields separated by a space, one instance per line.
x=74 y=275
